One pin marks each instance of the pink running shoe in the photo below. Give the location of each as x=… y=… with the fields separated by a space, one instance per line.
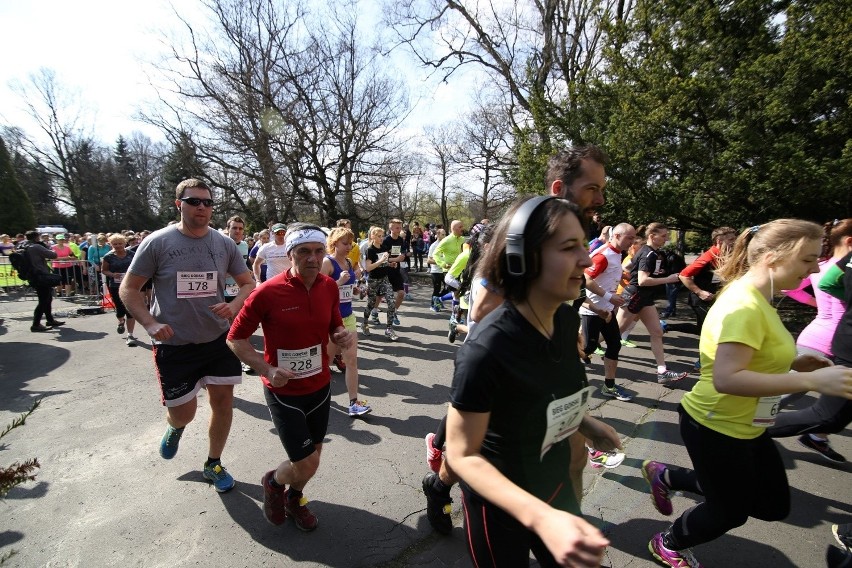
x=652 y=472
x=673 y=558
x=434 y=456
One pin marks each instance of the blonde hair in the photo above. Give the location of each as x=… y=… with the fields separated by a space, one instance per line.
x=115 y=238
x=374 y=230
x=336 y=235
x=778 y=238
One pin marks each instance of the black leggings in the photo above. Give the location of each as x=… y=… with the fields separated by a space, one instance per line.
x=495 y=538
x=593 y=327
x=438 y=288
x=828 y=415
x=739 y=479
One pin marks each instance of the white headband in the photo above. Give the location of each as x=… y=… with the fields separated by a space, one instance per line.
x=301 y=236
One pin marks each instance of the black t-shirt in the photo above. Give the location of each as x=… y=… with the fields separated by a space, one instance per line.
x=655 y=264
x=378 y=272
x=391 y=242
x=506 y=367
x=841 y=345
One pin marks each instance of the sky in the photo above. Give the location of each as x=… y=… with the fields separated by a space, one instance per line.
x=98 y=48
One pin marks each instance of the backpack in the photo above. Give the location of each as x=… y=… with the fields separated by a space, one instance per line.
x=20 y=261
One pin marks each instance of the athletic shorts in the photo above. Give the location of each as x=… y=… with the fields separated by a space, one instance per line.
x=301 y=421
x=395 y=279
x=182 y=370
x=350 y=322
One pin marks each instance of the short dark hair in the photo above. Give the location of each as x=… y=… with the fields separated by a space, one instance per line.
x=32 y=235
x=235 y=219
x=567 y=165
x=189 y=184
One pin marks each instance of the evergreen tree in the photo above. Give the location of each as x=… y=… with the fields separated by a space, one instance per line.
x=16 y=210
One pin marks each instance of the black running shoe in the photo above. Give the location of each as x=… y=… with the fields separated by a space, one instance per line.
x=438 y=507
x=822 y=447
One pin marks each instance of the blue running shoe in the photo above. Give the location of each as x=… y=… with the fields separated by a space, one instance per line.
x=219 y=476
x=169 y=442
x=396 y=321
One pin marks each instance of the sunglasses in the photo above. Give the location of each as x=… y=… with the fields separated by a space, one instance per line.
x=195 y=202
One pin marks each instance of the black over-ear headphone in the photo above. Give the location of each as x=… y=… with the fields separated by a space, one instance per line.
x=516 y=262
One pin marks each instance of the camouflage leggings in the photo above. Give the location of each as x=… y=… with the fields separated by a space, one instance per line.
x=380 y=287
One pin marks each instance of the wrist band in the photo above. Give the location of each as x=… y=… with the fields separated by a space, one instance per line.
x=607 y=296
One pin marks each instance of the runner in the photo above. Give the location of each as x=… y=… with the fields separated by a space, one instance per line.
x=515 y=474
x=294 y=366
x=339 y=244
x=647 y=279
x=394 y=244
x=598 y=312
x=273 y=254
x=377 y=261
x=236 y=229
x=578 y=175
x=700 y=276
x=746 y=356
x=188 y=262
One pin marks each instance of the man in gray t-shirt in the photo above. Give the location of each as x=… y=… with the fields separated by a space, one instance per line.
x=188 y=263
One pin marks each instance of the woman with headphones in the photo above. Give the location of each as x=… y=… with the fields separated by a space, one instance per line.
x=520 y=393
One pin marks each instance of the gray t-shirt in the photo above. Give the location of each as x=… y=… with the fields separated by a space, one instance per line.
x=189 y=277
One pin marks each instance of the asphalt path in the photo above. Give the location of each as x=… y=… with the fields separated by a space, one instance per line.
x=104 y=497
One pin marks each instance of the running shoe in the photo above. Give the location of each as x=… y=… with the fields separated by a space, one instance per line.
x=669 y=377
x=359 y=408
x=38 y=328
x=407 y=297
x=451 y=335
x=219 y=476
x=843 y=535
x=169 y=442
x=822 y=447
x=374 y=318
x=338 y=362
x=396 y=320
x=297 y=510
x=438 y=507
x=627 y=343
x=599 y=352
x=247 y=369
x=674 y=558
x=365 y=328
x=55 y=323
x=391 y=334
x=652 y=472
x=608 y=460
x=837 y=558
x=131 y=341
x=120 y=328
x=664 y=325
x=434 y=456
x=616 y=392
x=696 y=367
x=273 y=500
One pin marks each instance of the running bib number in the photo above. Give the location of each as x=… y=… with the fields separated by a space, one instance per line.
x=346 y=293
x=564 y=417
x=117 y=277
x=301 y=362
x=396 y=250
x=196 y=284
x=766 y=411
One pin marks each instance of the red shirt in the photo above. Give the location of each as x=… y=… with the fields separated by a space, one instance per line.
x=293 y=317
x=710 y=258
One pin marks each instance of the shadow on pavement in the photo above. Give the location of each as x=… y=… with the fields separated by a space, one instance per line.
x=23 y=362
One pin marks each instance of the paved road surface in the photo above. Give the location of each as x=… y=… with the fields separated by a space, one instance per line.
x=103 y=496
